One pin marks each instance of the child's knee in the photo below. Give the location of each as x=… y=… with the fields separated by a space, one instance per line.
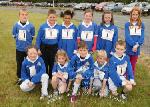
x=128 y=87
x=44 y=77
x=54 y=79
x=24 y=87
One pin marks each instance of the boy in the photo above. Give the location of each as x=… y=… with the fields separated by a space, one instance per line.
x=47 y=40
x=33 y=71
x=82 y=64
x=23 y=32
x=120 y=71
x=99 y=79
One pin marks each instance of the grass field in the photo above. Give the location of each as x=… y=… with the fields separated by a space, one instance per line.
x=12 y=96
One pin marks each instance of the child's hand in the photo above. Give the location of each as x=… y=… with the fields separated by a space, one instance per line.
x=134 y=49
x=39 y=52
x=89 y=91
x=102 y=93
x=30 y=84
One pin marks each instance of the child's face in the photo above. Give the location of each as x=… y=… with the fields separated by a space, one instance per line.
x=101 y=59
x=61 y=59
x=135 y=15
x=23 y=16
x=120 y=50
x=52 y=18
x=67 y=19
x=83 y=52
x=32 y=54
x=88 y=17
x=107 y=18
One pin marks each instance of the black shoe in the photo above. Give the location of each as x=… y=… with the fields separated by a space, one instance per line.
x=19 y=81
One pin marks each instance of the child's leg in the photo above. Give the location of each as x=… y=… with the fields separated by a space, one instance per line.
x=62 y=87
x=69 y=85
x=112 y=87
x=133 y=60
x=44 y=81
x=25 y=87
x=19 y=59
x=55 y=82
x=76 y=86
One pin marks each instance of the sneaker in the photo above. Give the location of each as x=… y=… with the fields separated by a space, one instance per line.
x=123 y=96
x=55 y=93
x=19 y=81
x=73 y=98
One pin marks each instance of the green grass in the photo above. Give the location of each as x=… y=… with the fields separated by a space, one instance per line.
x=12 y=96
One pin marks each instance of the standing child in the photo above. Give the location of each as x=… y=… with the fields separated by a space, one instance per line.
x=47 y=40
x=100 y=77
x=60 y=72
x=120 y=71
x=68 y=34
x=23 y=33
x=87 y=30
x=33 y=71
x=107 y=33
x=82 y=63
x=134 y=36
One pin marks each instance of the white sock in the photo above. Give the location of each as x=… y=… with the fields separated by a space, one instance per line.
x=75 y=88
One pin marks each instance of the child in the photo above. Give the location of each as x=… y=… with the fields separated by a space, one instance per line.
x=82 y=63
x=23 y=33
x=47 y=40
x=134 y=36
x=87 y=30
x=107 y=33
x=99 y=79
x=33 y=71
x=68 y=34
x=60 y=72
x=120 y=71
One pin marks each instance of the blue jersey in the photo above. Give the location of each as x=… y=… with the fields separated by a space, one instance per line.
x=107 y=38
x=23 y=35
x=33 y=70
x=48 y=35
x=63 y=69
x=120 y=67
x=100 y=71
x=133 y=35
x=68 y=39
x=87 y=33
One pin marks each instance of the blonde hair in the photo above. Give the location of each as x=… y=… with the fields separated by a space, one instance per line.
x=23 y=10
x=101 y=53
x=61 y=52
x=88 y=11
x=139 y=21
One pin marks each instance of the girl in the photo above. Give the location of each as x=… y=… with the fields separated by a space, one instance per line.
x=134 y=36
x=107 y=33
x=87 y=31
x=60 y=73
x=68 y=33
x=33 y=71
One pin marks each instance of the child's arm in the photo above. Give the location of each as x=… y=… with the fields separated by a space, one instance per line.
x=14 y=31
x=102 y=92
x=115 y=39
x=141 y=40
x=39 y=36
x=24 y=74
x=32 y=31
